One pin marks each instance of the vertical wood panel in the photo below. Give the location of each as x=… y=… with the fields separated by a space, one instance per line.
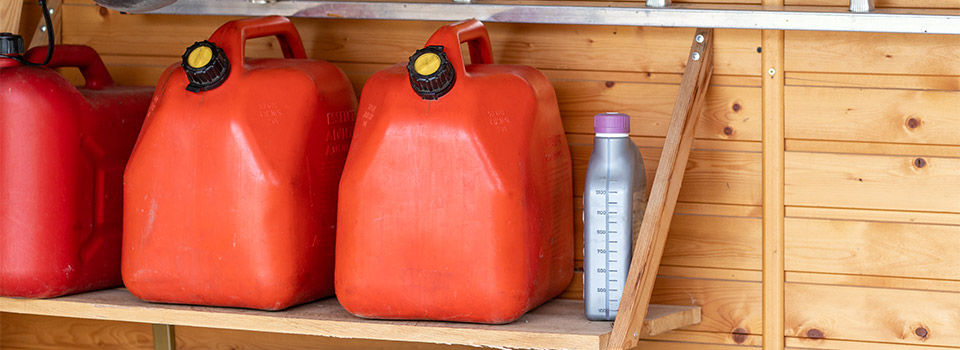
x=773 y=149
x=10 y=15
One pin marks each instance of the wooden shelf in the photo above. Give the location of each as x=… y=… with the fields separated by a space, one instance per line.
x=557 y=324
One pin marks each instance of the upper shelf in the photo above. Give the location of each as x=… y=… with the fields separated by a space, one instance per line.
x=557 y=324
x=628 y=14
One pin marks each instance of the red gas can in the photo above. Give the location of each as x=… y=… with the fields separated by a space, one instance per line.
x=456 y=199
x=230 y=195
x=62 y=152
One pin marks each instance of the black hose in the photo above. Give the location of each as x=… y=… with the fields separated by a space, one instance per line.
x=50 y=39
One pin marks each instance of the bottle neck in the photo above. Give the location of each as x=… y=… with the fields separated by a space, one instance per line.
x=612 y=135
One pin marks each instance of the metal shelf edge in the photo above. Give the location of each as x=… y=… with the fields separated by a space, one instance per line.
x=731 y=17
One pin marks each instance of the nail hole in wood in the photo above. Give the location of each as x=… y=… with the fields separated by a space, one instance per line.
x=815 y=334
x=736 y=107
x=728 y=131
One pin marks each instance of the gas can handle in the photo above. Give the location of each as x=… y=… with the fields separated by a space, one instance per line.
x=94 y=72
x=471 y=32
x=233 y=36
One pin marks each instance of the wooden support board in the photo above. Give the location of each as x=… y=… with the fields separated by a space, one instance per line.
x=558 y=324
x=10 y=15
x=663 y=195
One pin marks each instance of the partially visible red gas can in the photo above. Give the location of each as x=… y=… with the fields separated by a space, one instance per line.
x=62 y=152
x=456 y=199
x=230 y=194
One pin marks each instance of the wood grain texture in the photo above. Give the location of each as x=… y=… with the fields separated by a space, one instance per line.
x=664 y=193
x=873 y=248
x=10 y=15
x=37 y=332
x=730 y=300
x=893 y=316
x=701 y=235
x=794 y=343
x=915 y=82
x=876 y=115
x=872 y=182
x=705 y=338
x=874 y=148
x=712 y=176
x=730 y=113
x=849 y=52
x=377 y=41
x=556 y=324
x=883 y=282
x=773 y=191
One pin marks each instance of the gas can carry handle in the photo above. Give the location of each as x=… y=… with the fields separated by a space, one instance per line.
x=471 y=32
x=94 y=72
x=232 y=36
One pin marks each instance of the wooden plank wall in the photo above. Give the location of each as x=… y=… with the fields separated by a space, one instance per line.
x=867 y=162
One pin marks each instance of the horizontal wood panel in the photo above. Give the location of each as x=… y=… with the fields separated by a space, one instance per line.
x=710 y=338
x=712 y=176
x=871 y=181
x=874 y=281
x=729 y=112
x=878 y=115
x=698 y=240
x=912 y=217
x=727 y=305
x=794 y=343
x=34 y=332
x=916 y=82
x=700 y=236
x=850 y=52
x=871 y=314
x=876 y=148
x=733 y=110
x=654 y=345
x=872 y=248
x=376 y=41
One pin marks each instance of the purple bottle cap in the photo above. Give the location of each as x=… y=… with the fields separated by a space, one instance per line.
x=611 y=123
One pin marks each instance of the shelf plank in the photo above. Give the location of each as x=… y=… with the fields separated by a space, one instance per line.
x=558 y=324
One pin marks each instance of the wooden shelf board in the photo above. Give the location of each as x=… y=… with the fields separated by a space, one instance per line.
x=557 y=324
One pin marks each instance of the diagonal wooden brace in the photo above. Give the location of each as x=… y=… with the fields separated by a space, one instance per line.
x=628 y=327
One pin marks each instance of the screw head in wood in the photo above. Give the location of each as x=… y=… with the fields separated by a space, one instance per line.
x=695 y=56
x=700 y=38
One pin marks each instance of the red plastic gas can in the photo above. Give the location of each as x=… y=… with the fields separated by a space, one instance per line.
x=62 y=152
x=230 y=195
x=456 y=199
